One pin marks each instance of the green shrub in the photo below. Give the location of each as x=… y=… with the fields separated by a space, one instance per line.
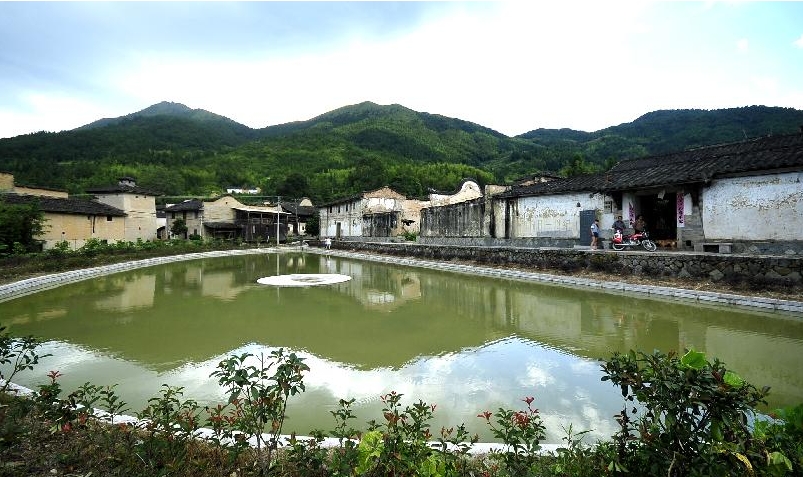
x=694 y=416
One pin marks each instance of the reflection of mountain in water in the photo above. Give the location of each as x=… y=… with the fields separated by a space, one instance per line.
x=386 y=317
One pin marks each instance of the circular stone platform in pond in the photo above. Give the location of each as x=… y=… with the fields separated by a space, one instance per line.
x=303 y=279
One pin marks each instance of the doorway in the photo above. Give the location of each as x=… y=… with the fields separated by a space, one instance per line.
x=660 y=216
x=337 y=231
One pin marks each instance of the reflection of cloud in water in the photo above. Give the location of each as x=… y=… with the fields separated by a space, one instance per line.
x=463 y=384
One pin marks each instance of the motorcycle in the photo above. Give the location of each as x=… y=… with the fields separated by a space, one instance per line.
x=620 y=242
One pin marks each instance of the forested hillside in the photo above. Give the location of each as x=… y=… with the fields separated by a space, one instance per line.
x=180 y=151
x=670 y=130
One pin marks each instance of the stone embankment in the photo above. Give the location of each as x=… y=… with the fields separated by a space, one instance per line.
x=712 y=267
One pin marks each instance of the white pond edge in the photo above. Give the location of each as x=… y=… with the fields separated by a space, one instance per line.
x=700 y=296
x=32 y=285
x=284 y=439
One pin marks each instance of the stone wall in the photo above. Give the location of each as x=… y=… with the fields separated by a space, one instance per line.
x=523 y=242
x=759 y=270
x=380 y=225
x=466 y=219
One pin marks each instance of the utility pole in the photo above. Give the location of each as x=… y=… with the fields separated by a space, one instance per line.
x=278 y=206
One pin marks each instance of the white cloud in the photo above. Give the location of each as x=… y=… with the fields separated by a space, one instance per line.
x=799 y=42
x=512 y=70
x=509 y=66
x=48 y=112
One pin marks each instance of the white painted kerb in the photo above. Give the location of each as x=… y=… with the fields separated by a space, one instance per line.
x=284 y=440
x=769 y=304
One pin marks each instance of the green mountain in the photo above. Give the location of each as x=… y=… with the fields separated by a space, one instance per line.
x=179 y=150
x=665 y=131
x=174 y=110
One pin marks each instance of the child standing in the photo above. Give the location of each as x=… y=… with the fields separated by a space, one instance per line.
x=594 y=234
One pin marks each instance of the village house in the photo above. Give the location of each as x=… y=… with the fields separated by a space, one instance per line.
x=378 y=213
x=243 y=190
x=300 y=212
x=385 y=213
x=227 y=218
x=138 y=203
x=744 y=197
x=66 y=219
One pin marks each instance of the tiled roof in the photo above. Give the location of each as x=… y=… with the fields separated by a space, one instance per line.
x=353 y=197
x=687 y=167
x=193 y=204
x=220 y=225
x=31 y=186
x=63 y=206
x=118 y=188
x=299 y=210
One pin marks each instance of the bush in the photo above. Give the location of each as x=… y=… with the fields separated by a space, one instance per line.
x=694 y=419
x=409 y=236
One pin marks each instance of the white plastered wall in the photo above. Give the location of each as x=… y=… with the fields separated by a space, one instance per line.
x=766 y=207
x=552 y=215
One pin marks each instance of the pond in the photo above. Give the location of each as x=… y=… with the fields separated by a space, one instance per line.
x=467 y=344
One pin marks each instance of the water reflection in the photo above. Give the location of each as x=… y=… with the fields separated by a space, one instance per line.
x=463 y=342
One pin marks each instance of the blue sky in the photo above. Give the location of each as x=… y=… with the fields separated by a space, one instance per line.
x=511 y=66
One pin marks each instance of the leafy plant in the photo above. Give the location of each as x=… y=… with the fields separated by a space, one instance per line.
x=401 y=445
x=19 y=354
x=695 y=412
x=260 y=394
x=170 y=423
x=345 y=458
x=521 y=431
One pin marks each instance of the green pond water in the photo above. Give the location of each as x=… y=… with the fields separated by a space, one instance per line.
x=465 y=343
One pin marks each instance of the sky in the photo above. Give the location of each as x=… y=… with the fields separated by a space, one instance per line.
x=510 y=66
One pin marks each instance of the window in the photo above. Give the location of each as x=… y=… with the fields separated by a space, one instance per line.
x=608 y=205
x=330 y=209
x=172 y=215
x=195 y=214
x=184 y=215
x=108 y=218
x=338 y=209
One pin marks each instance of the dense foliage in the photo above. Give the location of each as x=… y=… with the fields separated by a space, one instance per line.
x=19 y=224
x=689 y=417
x=180 y=151
x=667 y=131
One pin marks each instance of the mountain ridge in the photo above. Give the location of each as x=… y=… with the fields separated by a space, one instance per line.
x=163 y=108
x=179 y=150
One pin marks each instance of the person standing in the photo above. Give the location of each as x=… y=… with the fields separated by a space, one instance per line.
x=328 y=243
x=619 y=225
x=594 y=234
x=640 y=225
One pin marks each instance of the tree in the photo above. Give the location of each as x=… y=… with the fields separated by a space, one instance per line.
x=179 y=228
x=20 y=223
x=294 y=185
x=578 y=166
x=313 y=226
x=368 y=173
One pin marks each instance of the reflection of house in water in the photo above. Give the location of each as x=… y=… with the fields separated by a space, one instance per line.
x=207 y=280
x=129 y=292
x=597 y=324
x=375 y=286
